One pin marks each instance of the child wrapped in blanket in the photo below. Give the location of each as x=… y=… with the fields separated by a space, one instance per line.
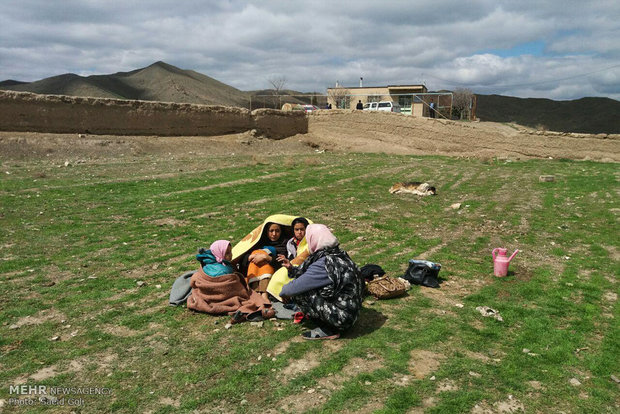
x=262 y=263
x=217 y=289
x=260 y=269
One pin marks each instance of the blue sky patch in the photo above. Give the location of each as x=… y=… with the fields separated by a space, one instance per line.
x=536 y=48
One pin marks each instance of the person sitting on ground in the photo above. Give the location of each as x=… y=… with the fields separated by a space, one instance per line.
x=299 y=232
x=327 y=286
x=297 y=252
x=260 y=269
x=262 y=263
x=218 y=289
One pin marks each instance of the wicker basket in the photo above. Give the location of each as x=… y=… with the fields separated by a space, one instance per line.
x=385 y=287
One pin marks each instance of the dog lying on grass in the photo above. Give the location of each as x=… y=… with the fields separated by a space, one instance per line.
x=413 y=187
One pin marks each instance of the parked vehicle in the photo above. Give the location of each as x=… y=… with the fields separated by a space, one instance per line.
x=388 y=106
x=370 y=106
x=310 y=108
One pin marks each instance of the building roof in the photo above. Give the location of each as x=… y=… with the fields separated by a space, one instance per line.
x=383 y=86
x=406 y=86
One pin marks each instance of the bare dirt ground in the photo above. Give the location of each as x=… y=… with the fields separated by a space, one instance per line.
x=339 y=131
x=401 y=134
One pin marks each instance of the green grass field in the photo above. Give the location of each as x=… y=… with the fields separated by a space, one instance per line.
x=75 y=241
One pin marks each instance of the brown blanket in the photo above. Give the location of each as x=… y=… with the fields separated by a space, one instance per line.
x=223 y=294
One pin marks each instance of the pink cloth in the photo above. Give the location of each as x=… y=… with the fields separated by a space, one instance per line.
x=218 y=248
x=319 y=237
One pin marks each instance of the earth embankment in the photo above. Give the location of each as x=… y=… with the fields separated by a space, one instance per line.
x=361 y=131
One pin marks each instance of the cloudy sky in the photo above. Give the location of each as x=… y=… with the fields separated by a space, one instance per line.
x=558 y=49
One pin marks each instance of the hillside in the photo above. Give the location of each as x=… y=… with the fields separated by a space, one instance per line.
x=157 y=82
x=10 y=82
x=587 y=115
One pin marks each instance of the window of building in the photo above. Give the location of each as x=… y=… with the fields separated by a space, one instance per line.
x=405 y=101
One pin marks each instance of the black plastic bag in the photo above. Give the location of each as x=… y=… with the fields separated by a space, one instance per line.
x=371 y=271
x=423 y=272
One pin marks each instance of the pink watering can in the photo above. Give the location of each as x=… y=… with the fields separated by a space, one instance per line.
x=501 y=262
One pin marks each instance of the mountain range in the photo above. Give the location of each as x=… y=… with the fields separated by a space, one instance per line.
x=587 y=115
x=164 y=82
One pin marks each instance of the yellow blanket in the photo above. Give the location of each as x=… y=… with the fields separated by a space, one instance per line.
x=277 y=282
x=248 y=243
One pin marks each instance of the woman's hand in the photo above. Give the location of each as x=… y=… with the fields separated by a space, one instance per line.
x=284 y=261
x=259 y=259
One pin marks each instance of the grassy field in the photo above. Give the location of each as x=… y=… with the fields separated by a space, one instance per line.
x=75 y=241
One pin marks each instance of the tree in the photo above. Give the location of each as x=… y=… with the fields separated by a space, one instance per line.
x=278 y=83
x=340 y=96
x=461 y=102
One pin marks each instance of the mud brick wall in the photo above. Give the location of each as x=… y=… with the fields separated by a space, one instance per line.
x=21 y=111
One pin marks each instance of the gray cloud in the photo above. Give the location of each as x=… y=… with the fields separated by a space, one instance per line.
x=445 y=44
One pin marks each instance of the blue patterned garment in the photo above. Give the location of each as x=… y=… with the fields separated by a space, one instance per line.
x=337 y=304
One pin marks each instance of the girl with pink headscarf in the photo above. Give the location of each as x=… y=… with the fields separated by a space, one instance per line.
x=327 y=286
x=218 y=289
x=216 y=261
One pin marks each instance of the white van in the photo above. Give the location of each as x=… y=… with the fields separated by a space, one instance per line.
x=388 y=106
x=370 y=106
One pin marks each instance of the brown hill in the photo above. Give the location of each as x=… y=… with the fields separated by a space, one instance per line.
x=160 y=82
x=157 y=82
x=10 y=82
x=585 y=115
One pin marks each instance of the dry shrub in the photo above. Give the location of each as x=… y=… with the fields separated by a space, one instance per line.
x=487 y=159
x=311 y=161
x=258 y=160
x=289 y=163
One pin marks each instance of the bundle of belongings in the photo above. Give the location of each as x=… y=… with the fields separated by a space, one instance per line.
x=419 y=272
x=423 y=272
x=380 y=285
